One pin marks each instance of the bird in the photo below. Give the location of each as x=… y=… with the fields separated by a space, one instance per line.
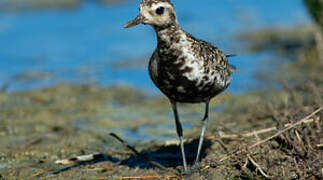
x=184 y=68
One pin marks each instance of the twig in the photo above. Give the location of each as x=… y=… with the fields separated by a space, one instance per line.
x=143 y=157
x=258 y=167
x=250 y=134
x=246 y=163
x=222 y=145
x=275 y=135
x=83 y=158
x=125 y=143
x=287 y=128
x=150 y=177
x=319 y=145
x=256 y=135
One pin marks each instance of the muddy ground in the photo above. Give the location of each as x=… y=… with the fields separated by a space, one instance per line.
x=40 y=126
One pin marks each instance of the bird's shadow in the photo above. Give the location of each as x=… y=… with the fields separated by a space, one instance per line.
x=167 y=156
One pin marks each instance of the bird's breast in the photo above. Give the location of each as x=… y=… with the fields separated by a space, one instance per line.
x=184 y=77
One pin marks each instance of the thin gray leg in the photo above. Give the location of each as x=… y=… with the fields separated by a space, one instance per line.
x=204 y=125
x=179 y=130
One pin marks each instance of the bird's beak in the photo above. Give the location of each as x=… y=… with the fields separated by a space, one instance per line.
x=134 y=22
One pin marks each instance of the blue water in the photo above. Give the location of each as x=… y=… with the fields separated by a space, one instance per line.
x=80 y=45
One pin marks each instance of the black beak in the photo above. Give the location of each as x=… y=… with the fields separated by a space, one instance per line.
x=134 y=22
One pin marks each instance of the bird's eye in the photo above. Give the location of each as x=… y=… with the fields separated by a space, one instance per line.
x=160 y=10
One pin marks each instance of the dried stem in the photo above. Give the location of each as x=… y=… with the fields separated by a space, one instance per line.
x=275 y=135
x=261 y=131
x=287 y=128
x=258 y=167
x=150 y=177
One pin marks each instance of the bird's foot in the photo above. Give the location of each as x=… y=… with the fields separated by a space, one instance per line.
x=196 y=167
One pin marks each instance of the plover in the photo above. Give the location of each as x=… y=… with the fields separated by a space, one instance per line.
x=184 y=68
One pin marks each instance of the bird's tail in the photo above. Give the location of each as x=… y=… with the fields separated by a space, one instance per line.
x=232 y=68
x=230 y=55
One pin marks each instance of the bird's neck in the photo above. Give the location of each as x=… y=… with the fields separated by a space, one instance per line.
x=167 y=35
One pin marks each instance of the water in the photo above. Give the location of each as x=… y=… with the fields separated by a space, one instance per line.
x=41 y=48
x=81 y=45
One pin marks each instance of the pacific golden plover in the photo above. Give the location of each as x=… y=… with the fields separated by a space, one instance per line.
x=184 y=68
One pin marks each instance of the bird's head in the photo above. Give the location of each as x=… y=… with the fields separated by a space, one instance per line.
x=158 y=13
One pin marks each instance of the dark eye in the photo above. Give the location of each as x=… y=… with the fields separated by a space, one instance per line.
x=160 y=10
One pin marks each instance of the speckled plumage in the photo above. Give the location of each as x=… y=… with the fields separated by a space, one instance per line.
x=184 y=68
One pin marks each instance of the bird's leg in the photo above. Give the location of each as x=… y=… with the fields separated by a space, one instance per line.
x=204 y=124
x=179 y=130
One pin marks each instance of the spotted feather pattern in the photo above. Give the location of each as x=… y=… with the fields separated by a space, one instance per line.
x=183 y=67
